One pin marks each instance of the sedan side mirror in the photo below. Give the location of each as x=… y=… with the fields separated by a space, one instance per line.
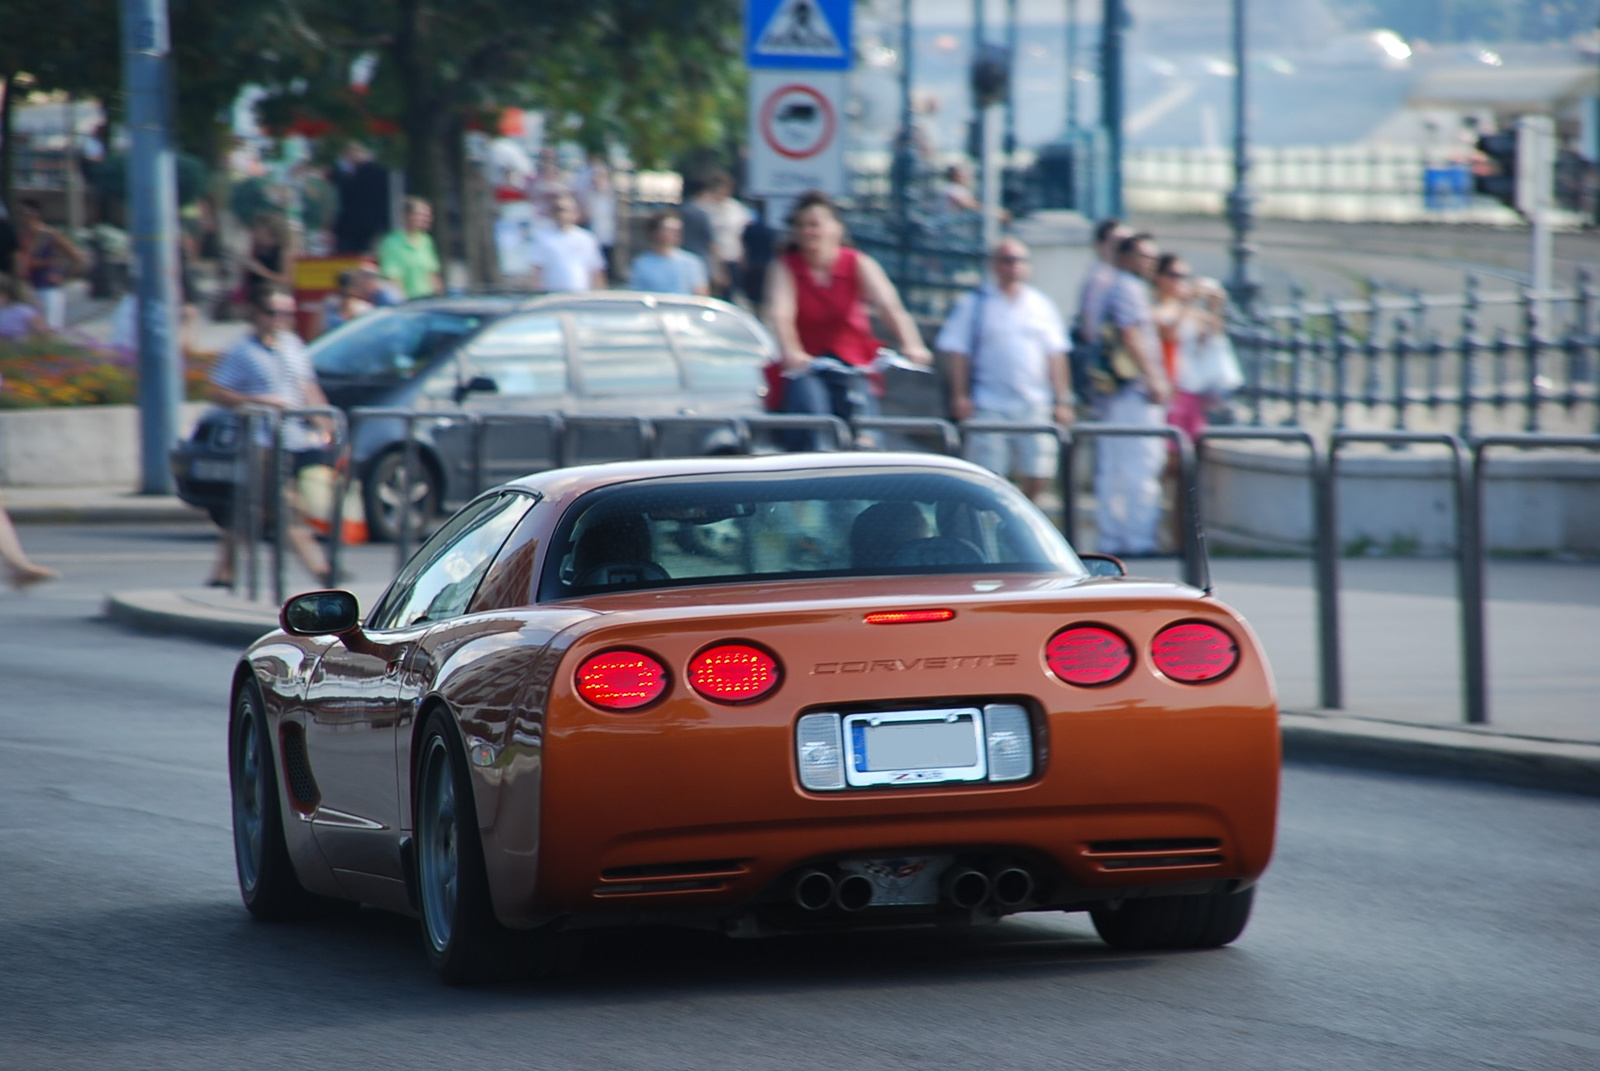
x=320 y=613
x=1103 y=565
x=477 y=385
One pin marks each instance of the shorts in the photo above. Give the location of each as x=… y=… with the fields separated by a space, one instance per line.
x=1033 y=454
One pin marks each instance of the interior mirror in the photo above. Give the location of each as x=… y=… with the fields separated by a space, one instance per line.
x=320 y=613
x=1103 y=565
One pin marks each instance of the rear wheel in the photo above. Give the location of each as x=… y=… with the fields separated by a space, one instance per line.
x=384 y=490
x=267 y=881
x=1169 y=922
x=464 y=941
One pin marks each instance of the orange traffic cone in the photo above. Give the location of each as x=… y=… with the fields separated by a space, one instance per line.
x=353 y=524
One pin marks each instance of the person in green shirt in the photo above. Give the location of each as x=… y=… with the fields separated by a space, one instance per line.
x=407 y=256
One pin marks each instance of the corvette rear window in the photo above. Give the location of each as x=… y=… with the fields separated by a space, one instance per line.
x=797 y=525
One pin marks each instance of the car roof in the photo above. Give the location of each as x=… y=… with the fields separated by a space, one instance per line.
x=561 y=485
x=621 y=297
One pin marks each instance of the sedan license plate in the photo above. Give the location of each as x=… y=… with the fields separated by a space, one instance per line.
x=211 y=470
x=915 y=747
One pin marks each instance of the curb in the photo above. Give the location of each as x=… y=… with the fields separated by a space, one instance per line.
x=162 y=612
x=1438 y=751
x=127 y=510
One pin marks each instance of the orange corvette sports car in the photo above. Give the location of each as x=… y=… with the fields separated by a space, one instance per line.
x=774 y=694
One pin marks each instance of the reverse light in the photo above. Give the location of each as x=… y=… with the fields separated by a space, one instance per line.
x=908 y=617
x=1009 y=738
x=1088 y=655
x=819 y=749
x=733 y=673
x=621 y=680
x=1194 y=652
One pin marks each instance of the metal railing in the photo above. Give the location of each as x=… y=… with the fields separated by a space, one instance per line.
x=1462 y=363
x=1465 y=473
x=249 y=509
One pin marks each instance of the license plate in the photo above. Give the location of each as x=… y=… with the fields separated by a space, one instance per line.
x=916 y=747
x=211 y=470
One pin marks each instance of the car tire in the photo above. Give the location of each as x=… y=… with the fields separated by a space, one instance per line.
x=1174 y=922
x=267 y=882
x=464 y=941
x=381 y=494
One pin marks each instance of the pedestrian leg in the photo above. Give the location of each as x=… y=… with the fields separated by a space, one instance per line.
x=23 y=572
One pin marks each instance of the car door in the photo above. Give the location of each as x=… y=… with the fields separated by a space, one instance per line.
x=724 y=353
x=526 y=358
x=623 y=366
x=361 y=695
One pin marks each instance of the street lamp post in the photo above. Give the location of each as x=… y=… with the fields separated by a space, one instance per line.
x=1241 y=200
x=980 y=36
x=1009 y=147
x=905 y=149
x=153 y=204
x=1111 y=30
x=1072 y=67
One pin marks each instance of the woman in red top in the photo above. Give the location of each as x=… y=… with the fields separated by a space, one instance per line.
x=817 y=297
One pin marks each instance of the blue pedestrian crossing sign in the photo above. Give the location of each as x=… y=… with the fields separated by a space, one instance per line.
x=811 y=35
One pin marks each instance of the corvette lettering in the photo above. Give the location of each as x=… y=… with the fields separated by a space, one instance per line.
x=901 y=665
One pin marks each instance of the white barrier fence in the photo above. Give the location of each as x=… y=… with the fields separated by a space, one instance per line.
x=1346 y=183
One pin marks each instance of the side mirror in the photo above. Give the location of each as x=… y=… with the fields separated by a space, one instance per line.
x=1103 y=565
x=320 y=613
x=476 y=385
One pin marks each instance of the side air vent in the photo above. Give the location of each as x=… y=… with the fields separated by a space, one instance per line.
x=303 y=792
x=707 y=868
x=645 y=879
x=1170 y=853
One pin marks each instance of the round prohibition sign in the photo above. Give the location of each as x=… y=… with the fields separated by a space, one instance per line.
x=797 y=121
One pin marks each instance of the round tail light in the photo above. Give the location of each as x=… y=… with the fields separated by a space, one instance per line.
x=733 y=673
x=1088 y=655
x=622 y=680
x=1194 y=652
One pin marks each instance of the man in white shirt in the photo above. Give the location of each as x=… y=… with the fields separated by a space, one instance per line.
x=1006 y=352
x=565 y=257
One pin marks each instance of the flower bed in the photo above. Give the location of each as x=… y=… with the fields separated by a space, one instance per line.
x=53 y=372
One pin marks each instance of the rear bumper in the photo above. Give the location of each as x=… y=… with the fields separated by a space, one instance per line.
x=1147 y=830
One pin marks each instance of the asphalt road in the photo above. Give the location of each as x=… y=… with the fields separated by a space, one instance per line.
x=1404 y=923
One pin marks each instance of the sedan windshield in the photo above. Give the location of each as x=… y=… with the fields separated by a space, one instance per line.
x=390 y=344
x=793 y=526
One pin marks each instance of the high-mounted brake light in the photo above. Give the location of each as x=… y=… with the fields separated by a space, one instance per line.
x=1088 y=655
x=1194 y=652
x=621 y=680
x=733 y=673
x=907 y=617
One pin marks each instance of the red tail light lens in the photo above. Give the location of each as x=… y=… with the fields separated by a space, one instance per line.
x=733 y=673
x=622 y=680
x=1194 y=652
x=1088 y=655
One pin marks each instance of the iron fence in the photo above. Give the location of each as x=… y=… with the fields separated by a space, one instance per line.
x=1465 y=474
x=1480 y=361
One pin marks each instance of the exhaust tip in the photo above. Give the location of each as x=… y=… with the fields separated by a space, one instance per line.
x=1012 y=886
x=853 y=892
x=813 y=890
x=967 y=888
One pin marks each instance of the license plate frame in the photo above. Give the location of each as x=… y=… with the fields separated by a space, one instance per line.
x=881 y=750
